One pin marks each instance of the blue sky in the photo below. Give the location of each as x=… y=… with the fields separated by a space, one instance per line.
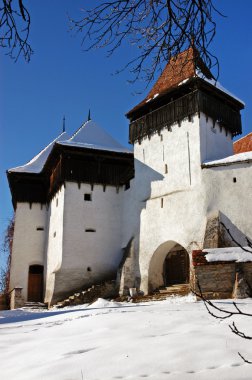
x=61 y=79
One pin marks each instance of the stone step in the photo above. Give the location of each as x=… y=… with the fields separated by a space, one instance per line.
x=35 y=305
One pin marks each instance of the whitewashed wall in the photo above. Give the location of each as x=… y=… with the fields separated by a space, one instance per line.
x=100 y=250
x=232 y=199
x=173 y=211
x=54 y=241
x=28 y=243
x=215 y=141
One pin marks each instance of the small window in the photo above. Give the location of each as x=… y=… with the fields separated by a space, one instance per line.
x=90 y=230
x=162 y=202
x=166 y=169
x=87 y=197
x=127 y=185
x=161 y=137
x=57 y=202
x=234 y=179
x=40 y=228
x=54 y=234
x=89 y=269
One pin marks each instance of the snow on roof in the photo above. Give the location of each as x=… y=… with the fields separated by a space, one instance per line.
x=236 y=158
x=217 y=84
x=236 y=254
x=37 y=163
x=91 y=136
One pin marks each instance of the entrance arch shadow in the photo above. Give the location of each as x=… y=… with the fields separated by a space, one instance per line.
x=169 y=265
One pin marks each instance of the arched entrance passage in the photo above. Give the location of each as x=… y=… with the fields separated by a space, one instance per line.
x=35 y=283
x=169 y=265
x=176 y=267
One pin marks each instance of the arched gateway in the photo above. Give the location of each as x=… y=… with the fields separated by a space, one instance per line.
x=169 y=265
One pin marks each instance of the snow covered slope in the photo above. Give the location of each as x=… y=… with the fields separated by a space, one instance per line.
x=174 y=339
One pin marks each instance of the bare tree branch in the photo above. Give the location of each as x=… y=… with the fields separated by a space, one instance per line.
x=15 y=29
x=235 y=241
x=159 y=29
x=225 y=314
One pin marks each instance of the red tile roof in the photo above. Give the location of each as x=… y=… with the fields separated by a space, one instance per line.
x=244 y=144
x=179 y=68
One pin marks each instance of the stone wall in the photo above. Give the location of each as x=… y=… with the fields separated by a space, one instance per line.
x=108 y=289
x=217 y=279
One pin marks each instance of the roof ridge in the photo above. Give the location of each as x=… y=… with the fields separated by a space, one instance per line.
x=78 y=130
x=243 y=137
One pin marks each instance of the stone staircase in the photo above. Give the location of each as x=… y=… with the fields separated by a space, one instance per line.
x=107 y=289
x=35 y=305
x=164 y=292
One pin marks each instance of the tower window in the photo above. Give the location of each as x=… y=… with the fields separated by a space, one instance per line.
x=87 y=197
x=90 y=230
x=162 y=202
x=234 y=179
x=166 y=168
x=54 y=234
x=57 y=202
x=40 y=228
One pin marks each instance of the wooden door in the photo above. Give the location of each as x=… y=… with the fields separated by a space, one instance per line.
x=176 y=268
x=35 y=283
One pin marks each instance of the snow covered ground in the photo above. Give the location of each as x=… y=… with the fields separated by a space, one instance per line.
x=171 y=339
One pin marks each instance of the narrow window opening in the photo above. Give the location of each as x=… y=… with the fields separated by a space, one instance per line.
x=89 y=269
x=161 y=137
x=166 y=168
x=54 y=234
x=40 y=228
x=90 y=230
x=127 y=185
x=234 y=179
x=57 y=202
x=87 y=197
x=162 y=202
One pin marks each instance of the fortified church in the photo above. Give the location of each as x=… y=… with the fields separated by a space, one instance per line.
x=89 y=210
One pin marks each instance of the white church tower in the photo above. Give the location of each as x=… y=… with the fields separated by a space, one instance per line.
x=185 y=120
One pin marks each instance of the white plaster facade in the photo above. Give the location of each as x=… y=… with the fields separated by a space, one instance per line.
x=173 y=194
x=29 y=240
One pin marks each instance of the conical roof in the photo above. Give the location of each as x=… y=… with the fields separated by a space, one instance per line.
x=37 y=163
x=90 y=135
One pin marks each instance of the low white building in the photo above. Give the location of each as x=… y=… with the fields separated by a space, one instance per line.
x=88 y=209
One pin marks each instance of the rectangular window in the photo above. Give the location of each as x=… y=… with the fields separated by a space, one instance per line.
x=166 y=168
x=40 y=228
x=90 y=230
x=87 y=197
